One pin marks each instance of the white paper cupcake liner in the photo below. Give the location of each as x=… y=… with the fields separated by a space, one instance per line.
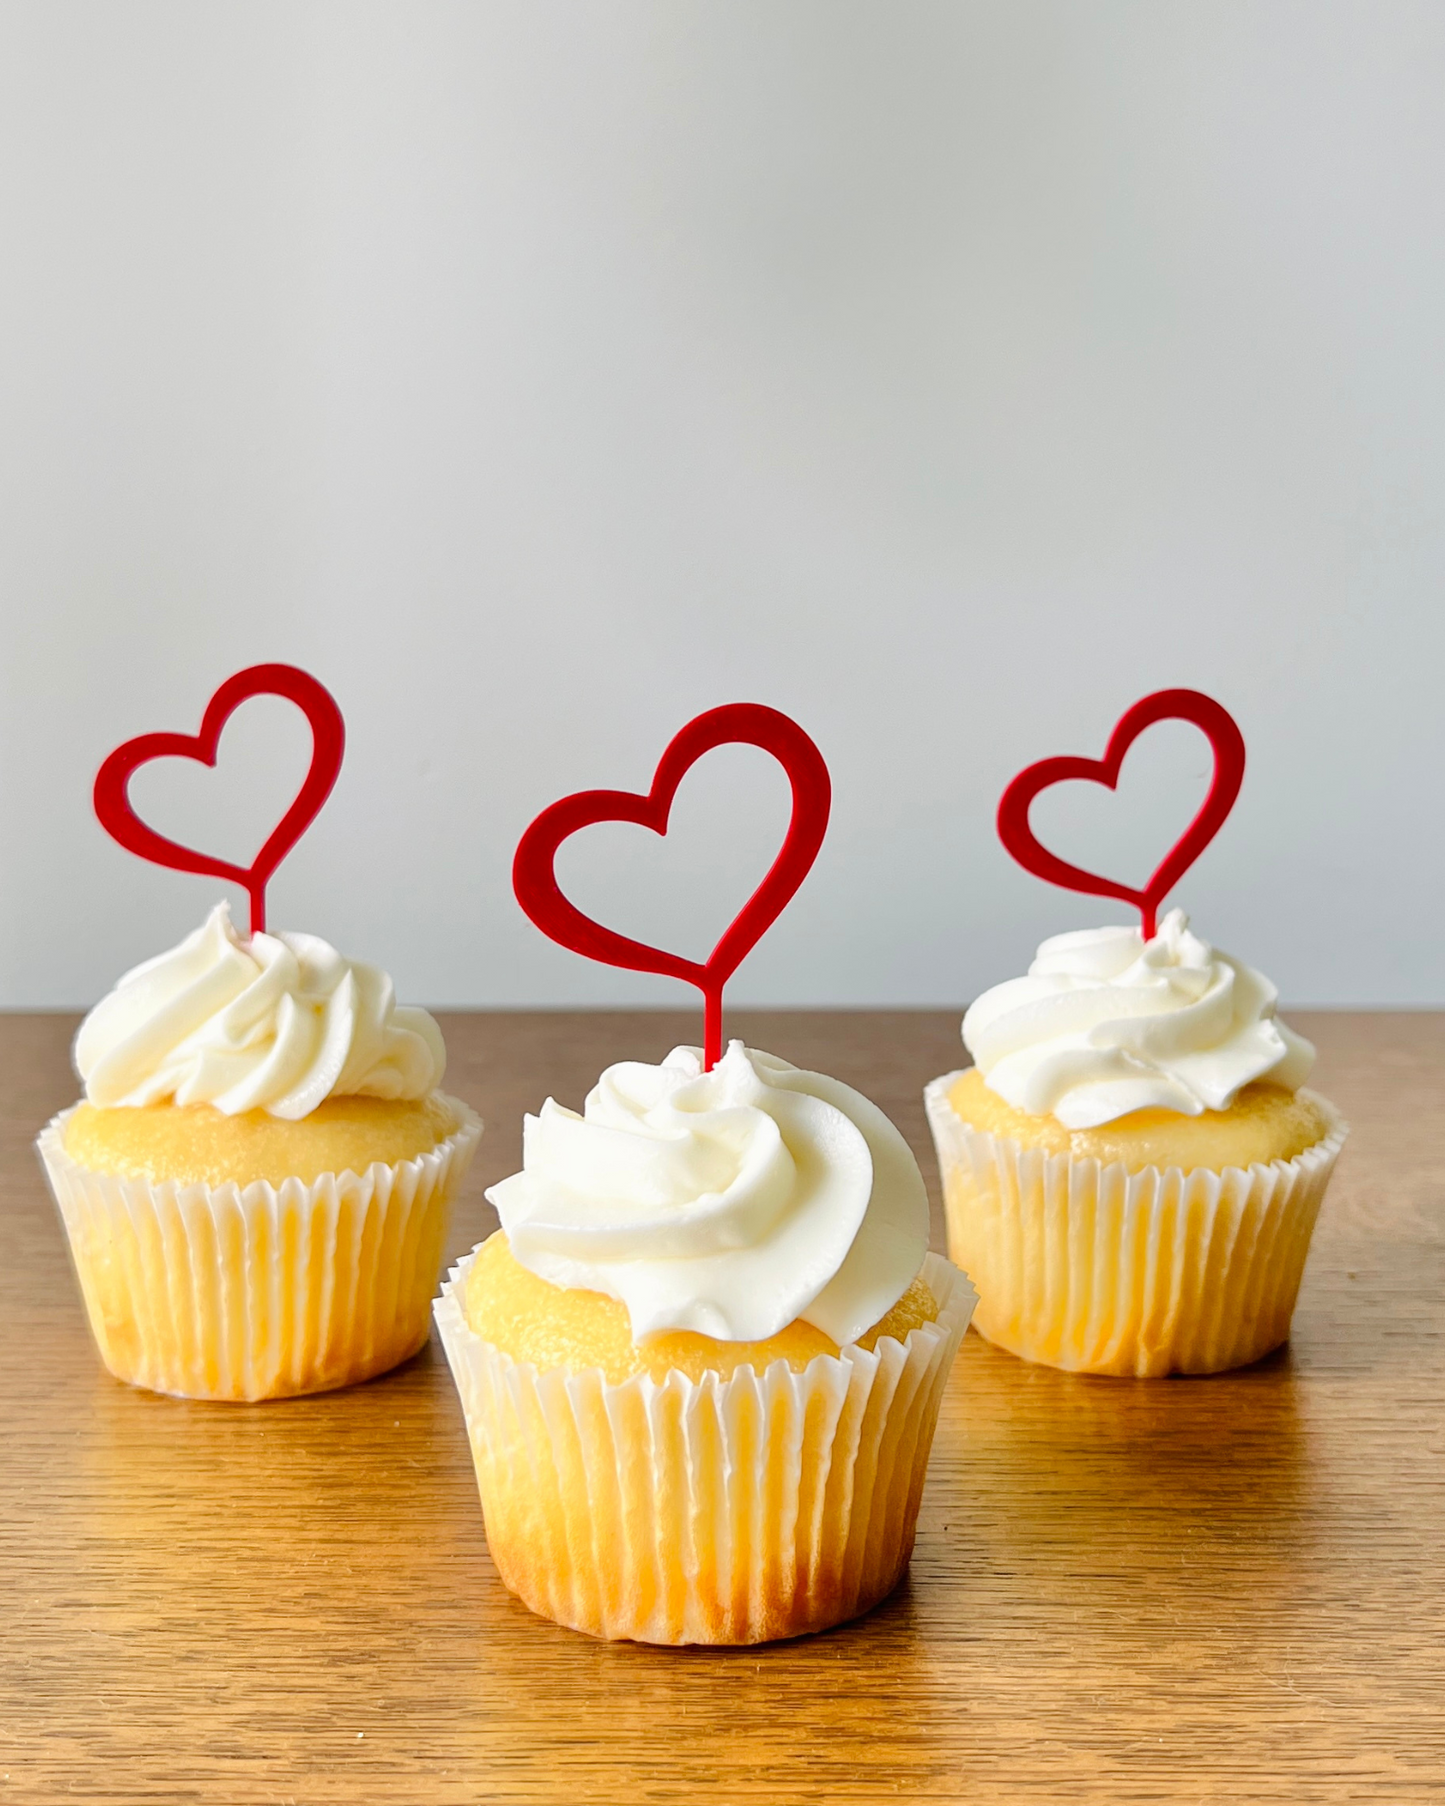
x=1090 y=1267
x=259 y=1291
x=716 y=1511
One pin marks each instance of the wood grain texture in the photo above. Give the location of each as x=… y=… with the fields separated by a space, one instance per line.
x=1226 y=1589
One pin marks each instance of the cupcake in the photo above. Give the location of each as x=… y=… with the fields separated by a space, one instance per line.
x=256 y=1184
x=1132 y=1168
x=702 y=1359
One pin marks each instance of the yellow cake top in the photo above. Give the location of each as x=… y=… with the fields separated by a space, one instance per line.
x=1264 y=1123
x=197 y=1144
x=531 y=1320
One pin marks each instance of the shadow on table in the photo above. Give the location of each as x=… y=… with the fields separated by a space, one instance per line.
x=1072 y=1481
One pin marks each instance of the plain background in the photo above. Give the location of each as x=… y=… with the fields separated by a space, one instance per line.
x=541 y=373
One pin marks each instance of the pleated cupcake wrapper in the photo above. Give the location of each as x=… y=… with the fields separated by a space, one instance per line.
x=716 y=1511
x=1087 y=1266
x=259 y=1291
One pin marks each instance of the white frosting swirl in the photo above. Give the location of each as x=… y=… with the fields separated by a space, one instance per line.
x=1106 y=1023
x=276 y=1023
x=730 y=1202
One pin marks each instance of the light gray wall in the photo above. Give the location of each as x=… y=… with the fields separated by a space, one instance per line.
x=542 y=373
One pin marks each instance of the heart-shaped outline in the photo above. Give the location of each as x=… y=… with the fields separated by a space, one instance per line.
x=328 y=738
x=1223 y=734
x=534 y=878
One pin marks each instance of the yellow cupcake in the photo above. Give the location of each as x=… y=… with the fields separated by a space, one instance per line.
x=1131 y=1170
x=701 y=1366
x=257 y=1186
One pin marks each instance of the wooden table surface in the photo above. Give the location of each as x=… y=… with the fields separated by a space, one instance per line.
x=1222 y=1589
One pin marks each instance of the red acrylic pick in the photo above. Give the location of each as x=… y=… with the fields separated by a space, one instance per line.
x=1164 y=705
x=328 y=735
x=534 y=876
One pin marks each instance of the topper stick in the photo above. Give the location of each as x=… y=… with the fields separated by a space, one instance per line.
x=534 y=876
x=1222 y=732
x=328 y=736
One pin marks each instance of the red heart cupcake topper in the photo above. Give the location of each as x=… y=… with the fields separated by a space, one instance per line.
x=328 y=735
x=1164 y=705
x=534 y=876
